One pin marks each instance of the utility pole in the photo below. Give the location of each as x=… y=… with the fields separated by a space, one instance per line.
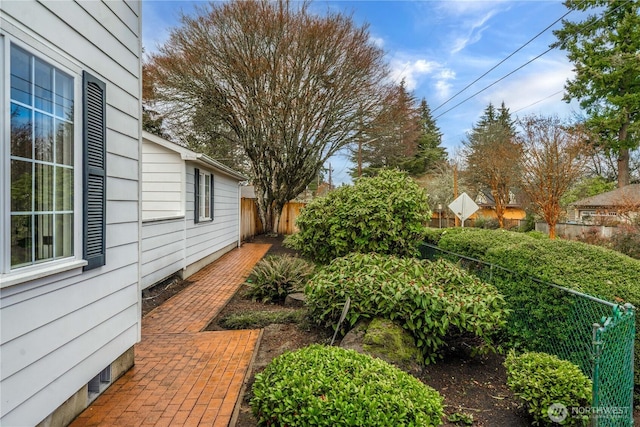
x=330 y=181
x=359 y=157
x=455 y=190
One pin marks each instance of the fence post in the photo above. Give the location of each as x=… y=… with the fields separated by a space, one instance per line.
x=595 y=389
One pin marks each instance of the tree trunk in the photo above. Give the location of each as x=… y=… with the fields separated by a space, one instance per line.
x=623 y=167
x=269 y=213
x=623 y=157
x=500 y=215
x=552 y=231
x=276 y=220
x=264 y=210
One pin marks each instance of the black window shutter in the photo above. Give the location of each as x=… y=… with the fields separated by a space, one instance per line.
x=196 y=195
x=94 y=131
x=211 y=198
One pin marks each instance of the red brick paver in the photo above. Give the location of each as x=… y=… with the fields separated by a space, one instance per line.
x=183 y=376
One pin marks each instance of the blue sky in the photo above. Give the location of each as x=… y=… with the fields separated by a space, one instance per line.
x=438 y=48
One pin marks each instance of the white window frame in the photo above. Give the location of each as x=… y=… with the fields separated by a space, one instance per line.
x=204 y=201
x=9 y=276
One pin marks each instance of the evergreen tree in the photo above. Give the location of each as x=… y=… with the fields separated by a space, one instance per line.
x=391 y=139
x=604 y=49
x=430 y=154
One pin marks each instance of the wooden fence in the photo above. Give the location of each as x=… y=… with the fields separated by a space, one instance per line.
x=250 y=221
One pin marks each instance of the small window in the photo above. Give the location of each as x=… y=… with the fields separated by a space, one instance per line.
x=203 y=196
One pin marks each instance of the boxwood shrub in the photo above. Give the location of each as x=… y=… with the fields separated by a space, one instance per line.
x=331 y=386
x=429 y=299
x=541 y=380
x=385 y=214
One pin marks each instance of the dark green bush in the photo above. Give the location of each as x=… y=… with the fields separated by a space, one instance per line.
x=541 y=380
x=275 y=276
x=430 y=300
x=385 y=214
x=331 y=386
x=593 y=270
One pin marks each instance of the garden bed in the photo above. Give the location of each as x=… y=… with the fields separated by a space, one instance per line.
x=470 y=386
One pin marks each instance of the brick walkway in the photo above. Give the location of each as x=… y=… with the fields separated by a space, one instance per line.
x=183 y=376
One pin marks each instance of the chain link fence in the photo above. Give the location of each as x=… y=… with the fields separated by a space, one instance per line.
x=595 y=334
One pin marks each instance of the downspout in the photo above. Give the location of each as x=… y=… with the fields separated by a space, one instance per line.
x=239 y=214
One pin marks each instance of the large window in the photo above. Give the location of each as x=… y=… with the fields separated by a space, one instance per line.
x=41 y=160
x=53 y=155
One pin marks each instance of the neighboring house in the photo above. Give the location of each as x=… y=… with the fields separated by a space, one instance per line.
x=487 y=205
x=190 y=210
x=619 y=205
x=69 y=203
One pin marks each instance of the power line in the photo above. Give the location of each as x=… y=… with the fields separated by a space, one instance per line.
x=494 y=83
x=539 y=101
x=527 y=63
x=501 y=62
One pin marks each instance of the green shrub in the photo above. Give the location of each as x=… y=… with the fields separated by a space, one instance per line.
x=385 y=214
x=430 y=300
x=594 y=270
x=275 y=276
x=626 y=239
x=487 y=222
x=541 y=380
x=331 y=386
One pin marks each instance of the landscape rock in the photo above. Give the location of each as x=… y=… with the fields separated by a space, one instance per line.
x=295 y=299
x=386 y=340
x=353 y=340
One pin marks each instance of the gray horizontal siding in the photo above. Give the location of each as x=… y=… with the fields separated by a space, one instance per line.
x=207 y=237
x=162 y=250
x=60 y=331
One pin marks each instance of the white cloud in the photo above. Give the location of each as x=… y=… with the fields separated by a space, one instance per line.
x=468 y=7
x=443 y=85
x=527 y=91
x=414 y=71
x=378 y=41
x=443 y=88
x=475 y=28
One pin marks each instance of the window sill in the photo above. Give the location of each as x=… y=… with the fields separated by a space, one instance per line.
x=162 y=219
x=39 y=272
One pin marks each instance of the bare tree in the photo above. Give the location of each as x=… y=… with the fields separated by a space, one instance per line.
x=493 y=157
x=293 y=88
x=555 y=156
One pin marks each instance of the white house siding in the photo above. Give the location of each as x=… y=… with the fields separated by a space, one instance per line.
x=207 y=237
x=171 y=240
x=61 y=330
x=163 y=174
x=163 y=246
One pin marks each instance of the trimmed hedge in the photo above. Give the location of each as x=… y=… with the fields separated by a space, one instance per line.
x=593 y=270
x=542 y=380
x=385 y=214
x=331 y=386
x=430 y=299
